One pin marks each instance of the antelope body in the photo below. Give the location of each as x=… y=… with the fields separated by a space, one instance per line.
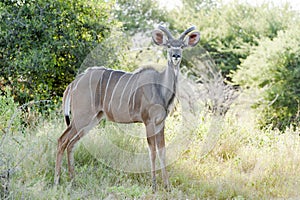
x=144 y=96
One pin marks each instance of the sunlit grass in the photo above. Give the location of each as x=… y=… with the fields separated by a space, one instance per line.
x=244 y=163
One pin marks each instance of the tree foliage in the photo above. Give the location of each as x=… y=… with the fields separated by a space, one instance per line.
x=273 y=67
x=139 y=15
x=43 y=42
x=261 y=43
x=228 y=31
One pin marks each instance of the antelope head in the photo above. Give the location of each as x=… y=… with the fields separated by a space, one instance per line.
x=163 y=37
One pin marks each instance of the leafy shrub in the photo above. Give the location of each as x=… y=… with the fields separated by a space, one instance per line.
x=273 y=68
x=228 y=31
x=136 y=15
x=43 y=43
x=9 y=118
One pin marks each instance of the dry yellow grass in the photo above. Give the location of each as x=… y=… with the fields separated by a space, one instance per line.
x=244 y=163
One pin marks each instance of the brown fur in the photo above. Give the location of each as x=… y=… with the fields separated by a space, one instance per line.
x=144 y=96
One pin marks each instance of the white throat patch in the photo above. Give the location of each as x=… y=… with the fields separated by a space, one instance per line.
x=176 y=60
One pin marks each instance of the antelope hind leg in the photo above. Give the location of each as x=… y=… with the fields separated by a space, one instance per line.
x=76 y=138
x=61 y=146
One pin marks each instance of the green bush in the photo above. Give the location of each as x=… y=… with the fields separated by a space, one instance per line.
x=228 y=31
x=43 y=43
x=9 y=118
x=139 y=16
x=273 y=68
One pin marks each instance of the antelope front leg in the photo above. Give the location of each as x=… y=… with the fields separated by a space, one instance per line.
x=160 y=142
x=152 y=153
x=156 y=141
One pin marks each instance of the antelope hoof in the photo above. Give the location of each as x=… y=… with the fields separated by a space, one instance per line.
x=56 y=180
x=71 y=175
x=153 y=186
x=167 y=188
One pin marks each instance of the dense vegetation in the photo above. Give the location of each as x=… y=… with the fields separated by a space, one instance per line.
x=272 y=68
x=43 y=43
x=255 y=153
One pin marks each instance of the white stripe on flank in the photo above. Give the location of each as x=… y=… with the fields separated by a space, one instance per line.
x=112 y=94
x=100 y=87
x=133 y=99
x=68 y=99
x=133 y=85
x=120 y=102
x=67 y=103
x=107 y=84
x=91 y=92
x=78 y=82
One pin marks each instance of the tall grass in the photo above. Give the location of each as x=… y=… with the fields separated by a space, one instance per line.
x=241 y=162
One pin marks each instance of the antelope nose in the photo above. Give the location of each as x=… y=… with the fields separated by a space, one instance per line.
x=176 y=56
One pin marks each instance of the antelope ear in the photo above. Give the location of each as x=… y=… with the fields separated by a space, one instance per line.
x=192 y=39
x=159 y=38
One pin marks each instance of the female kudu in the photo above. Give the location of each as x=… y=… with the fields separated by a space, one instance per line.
x=144 y=96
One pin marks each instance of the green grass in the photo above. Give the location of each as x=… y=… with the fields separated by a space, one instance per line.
x=228 y=159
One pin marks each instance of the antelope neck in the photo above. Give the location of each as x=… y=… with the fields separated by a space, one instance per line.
x=169 y=82
x=173 y=69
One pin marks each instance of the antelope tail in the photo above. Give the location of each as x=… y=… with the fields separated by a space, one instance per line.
x=66 y=105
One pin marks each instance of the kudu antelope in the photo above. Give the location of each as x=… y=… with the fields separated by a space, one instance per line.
x=143 y=96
